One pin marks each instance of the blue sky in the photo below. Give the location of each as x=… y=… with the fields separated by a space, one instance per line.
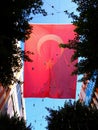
x=36 y=107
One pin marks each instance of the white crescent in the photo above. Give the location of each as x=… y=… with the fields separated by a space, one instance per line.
x=49 y=37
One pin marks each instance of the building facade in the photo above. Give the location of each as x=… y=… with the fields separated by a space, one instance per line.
x=89 y=91
x=11 y=99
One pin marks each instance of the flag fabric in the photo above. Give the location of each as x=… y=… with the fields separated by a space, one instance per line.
x=4 y=95
x=49 y=74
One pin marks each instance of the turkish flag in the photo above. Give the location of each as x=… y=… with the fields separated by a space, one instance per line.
x=49 y=75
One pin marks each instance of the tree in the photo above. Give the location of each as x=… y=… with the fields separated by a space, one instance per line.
x=85 y=44
x=13 y=123
x=15 y=16
x=73 y=116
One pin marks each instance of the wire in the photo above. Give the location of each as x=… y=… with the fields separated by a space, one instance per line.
x=53 y=8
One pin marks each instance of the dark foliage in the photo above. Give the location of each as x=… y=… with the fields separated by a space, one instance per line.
x=85 y=43
x=13 y=123
x=14 y=26
x=73 y=116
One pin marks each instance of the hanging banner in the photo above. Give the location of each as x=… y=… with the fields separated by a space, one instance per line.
x=49 y=75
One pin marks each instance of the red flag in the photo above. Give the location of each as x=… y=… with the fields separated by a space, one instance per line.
x=49 y=75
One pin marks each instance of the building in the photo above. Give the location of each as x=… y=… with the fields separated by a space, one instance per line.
x=11 y=99
x=89 y=91
x=4 y=95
